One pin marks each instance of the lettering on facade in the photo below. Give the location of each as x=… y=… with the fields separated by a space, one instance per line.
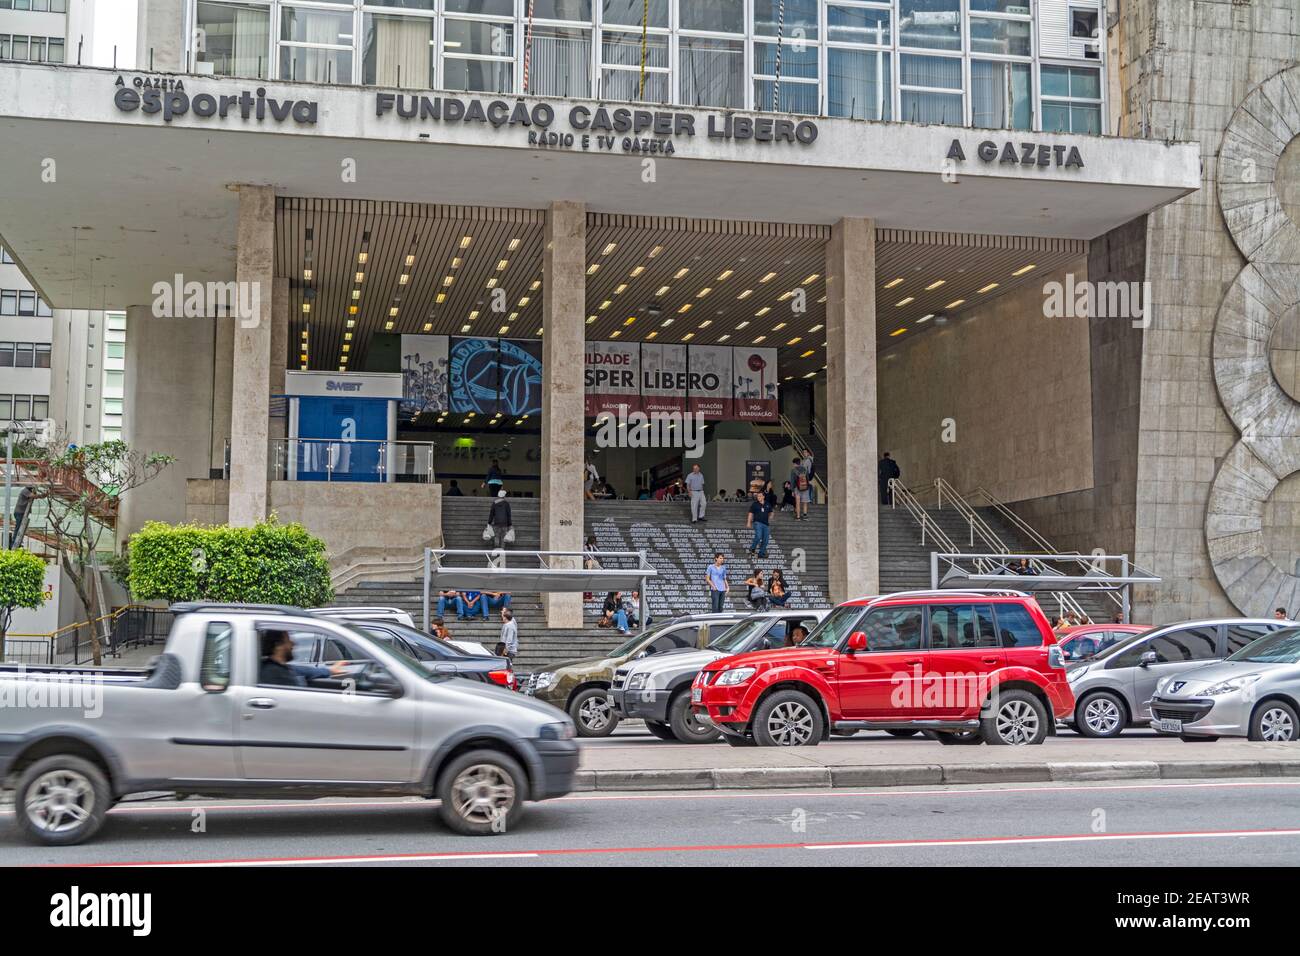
x=1021 y=154
x=168 y=96
x=332 y=385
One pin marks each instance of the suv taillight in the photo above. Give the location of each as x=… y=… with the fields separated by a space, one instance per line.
x=1055 y=658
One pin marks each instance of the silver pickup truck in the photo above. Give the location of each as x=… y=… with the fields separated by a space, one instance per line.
x=225 y=712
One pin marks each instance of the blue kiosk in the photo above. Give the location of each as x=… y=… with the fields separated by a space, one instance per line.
x=342 y=425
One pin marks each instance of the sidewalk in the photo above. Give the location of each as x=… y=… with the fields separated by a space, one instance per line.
x=895 y=762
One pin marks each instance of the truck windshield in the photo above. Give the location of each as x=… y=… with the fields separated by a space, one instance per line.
x=837 y=625
x=733 y=638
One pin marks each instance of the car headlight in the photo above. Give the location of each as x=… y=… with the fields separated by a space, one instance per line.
x=1228 y=686
x=557 y=731
x=1075 y=674
x=544 y=680
x=737 y=676
x=637 y=681
x=1162 y=683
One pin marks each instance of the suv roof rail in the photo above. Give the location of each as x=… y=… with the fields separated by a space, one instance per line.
x=359 y=609
x=189 y=607
x=950 y=592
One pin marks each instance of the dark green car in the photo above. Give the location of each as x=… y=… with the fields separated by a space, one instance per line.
x=581 y=688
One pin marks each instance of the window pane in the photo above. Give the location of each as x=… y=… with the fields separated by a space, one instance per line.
x=893 y=629
x=1000 y=95
x=315 y=26
x=116 y=350
x=961 y=625
x=26 y=303
x=8 y=302
x=1056 y=117
x=858 y=25
x=499 y=8
x=623 y=48
x=858 y=84
x=800 y=18
x=720 y=16
x=941 y=108
x=1241 y=635
x=43 y=355
x=399 y=51
x=26 y=355
x=479 y=76
x=629 y=12
x=1193 y=644
x=478 y=38
x=42 y=308
x=6 y=355
x=933 y=71
x=712 y=72
x=6 y=408
x=794 y=97
x=1085 y=84
x=214 y=671
x=40 y=407
x=579 y=10
x=625 y=85
x=234 y=38
x=1055 y=80
x=406 y=4
x=560 y=64
x=933 y=24
x=22 y=408
x=1004 y=37
x=1016 y=627
x=795 y=63
x=306 y=65
x=1085 y=119
x=54 y=51
x=1000 y=6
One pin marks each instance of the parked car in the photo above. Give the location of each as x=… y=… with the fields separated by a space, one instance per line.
x=214 y=717
x=581 y=688
x=397 y=616
x=964 y=666
x=1253 y=693
x=1085 y=641
x=658 y=689
x=438 y=655
x=1112 y=691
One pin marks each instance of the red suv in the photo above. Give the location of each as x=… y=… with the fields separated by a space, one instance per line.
x=964 y=666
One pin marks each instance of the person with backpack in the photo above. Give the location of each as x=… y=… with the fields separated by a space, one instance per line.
x=802 y=489
x=886 y=471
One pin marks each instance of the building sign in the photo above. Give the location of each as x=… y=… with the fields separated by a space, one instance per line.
x=167 y=96
x=612 y=377
x=1021 y=154
x=663 y=378
x=708 y=382
x=754 y=384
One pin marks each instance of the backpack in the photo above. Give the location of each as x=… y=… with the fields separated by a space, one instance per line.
x=803 y=482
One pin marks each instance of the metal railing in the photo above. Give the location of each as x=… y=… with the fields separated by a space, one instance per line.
x=798 y=442
x=337 y=459
x=126 y=627
x=901 y=494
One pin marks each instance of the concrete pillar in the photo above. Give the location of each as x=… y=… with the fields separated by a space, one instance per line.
x=223 y=369
x=167 y=409
x=280 y=324
x=564 y=300
x=160 y=36
x=850 y=414
x=250 y=391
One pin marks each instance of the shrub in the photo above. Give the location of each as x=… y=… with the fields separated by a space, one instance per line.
x=22 y=584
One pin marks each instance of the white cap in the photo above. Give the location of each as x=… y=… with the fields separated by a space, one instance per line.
x=501 y=493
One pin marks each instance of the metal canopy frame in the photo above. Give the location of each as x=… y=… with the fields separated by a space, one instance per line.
x=541 y=571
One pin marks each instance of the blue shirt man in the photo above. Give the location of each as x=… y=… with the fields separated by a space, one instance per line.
x=717 y=581
x=759 y=512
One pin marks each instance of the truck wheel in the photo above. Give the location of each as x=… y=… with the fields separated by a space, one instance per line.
x=686 y=727
x=592 y=713
x=788 y=718
x=1102 y=714
x=482 y=793
x=662 y=731
x=61 y=800
x=1018 y=718
x=1275 y=721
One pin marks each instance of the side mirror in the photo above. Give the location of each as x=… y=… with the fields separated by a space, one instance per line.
x=857 y=642
x=1148 y=658
x=382 y=683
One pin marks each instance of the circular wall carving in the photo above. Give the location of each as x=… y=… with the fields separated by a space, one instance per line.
x=1284 y=351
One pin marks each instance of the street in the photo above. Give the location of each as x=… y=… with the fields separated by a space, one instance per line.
x=1233 y=822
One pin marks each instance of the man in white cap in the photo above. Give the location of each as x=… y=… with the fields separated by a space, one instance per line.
x=695 y=485
x=499 y=519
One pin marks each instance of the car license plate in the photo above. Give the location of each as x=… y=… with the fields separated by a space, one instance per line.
x=697 y=694
x=1169 y=726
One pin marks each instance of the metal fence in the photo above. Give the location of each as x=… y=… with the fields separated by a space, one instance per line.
x=127 y=628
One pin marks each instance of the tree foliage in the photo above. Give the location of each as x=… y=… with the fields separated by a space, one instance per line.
x=22 y=584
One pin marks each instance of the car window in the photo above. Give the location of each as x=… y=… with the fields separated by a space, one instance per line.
x=680 y=637
x=716 y=630
x=391 y=640
x=1188 y=644
x=306 y=648
x=214 y=671
x=1280 y=647
x=773 y=637
x=893 y=628
x=955 y=626
x=1242 y=635
x=1017 y=627
x=835 y=627
x=355 y=677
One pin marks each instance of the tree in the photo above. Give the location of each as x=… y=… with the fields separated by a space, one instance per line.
x=83 y=487
x=22 y=584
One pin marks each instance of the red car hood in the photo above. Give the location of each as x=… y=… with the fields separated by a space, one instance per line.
x=786 y=655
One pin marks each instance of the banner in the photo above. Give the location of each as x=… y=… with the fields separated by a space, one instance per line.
x=612 y=377
x=475 y=375
x=754 y=381
x=757 y=475
x=521 y=377
x=663 y=378
x=709 y=381
x=424 y=375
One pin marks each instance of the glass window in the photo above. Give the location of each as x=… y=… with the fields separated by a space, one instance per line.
x=6 y=408
x=478 y=56
x=54 y=51
x=1003 y=37
x=42 y=308
x=6 y=355
x=22 y=408
x=116 y=350
x=8 y=302
x=858 y=25
x=1000 y=6
x=1083 y=24
x=26 y=355
x=42 y=356
x=681 y=637
x=1243 y=635
x=928 y=105
x=838 y=625
x=1063 y=89
x=40 y=407
x=1000 y=95
x=234 y=38
x=26 y=303
x=4 y=256
x=717 y=16
x=398 y=51
x=1190 y=644
x=712 y=72
x=214 y=668
x=573 y=10
x=893 y=629
x=1282 y=647
x=961 y=626
x=1017 y=627
x=859 y=84
x=116 y=322
x=114 y=380
x=621 y=72
x=493 y=8
x=315 y=45
x=800 y=19
x=629 y=13
x=798 y=63
x=560 y=62
x=930 y=24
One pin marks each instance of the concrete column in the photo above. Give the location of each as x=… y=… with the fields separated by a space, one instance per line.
x=160 y=36
x=279 y=353
x=851 y=427
x=564 y=300
x=223 y=368
x=251 y=375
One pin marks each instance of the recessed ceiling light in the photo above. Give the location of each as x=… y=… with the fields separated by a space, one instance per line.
x=393 y=311
x=388 y=326
x=346 y=346
x=990 y=287
x=593 y=268
x=762 y=312
x=1023 y=269
x=465 y=241
x=463 y=328
x=778 y=327
x=897 y=332
x=352 y=310
x=655 y=251
x=935 y=284
x=523 y=303
x=681 y=272
x=473 y=315
x=811 y=375
x=410 y=260
x=457 y=262
x=604 y=305
x=351 y=322
x=724 y=275
x=746 y=294
x=448 y=281
x=688 y=336
x=442 y=297
x=662 y=290
x=666 y=322
x=925 y=318
x=591 y=319
x=954 y=303
x=637 y=271
x=306 y=306
x=610 y=247
x=653 y=334
x=724 y=338
x=618 y=290
x=902 y=302
x=706 y=323
x=629 y=320
x=356 y=294
x=306 y=275
x=742 y=325
x=703 y=292
x=616 y=333
x=503 y=265
x=362 y=257
x=537 y=284
x=806 y=354
x=361 y=277
x=890 y=285
x=812 y=278
x=815 y=328
x=759 y=339
x=685 y=308
x=795 y=341
x=514 y=244
x=768 y=278
x=492 y=283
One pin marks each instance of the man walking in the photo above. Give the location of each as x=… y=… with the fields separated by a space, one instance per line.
x=802 y=489
x=499 y=519
x=886 y=470
x=695 y=485
x=716 y=579
x=760 y=511
x=508 y=647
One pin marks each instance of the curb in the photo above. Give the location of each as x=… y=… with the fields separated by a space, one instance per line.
x=914 y=775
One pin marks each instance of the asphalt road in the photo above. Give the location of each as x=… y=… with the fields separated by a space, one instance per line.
x=1228 y=822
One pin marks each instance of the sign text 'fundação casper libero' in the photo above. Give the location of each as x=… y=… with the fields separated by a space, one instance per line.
x=596 y=127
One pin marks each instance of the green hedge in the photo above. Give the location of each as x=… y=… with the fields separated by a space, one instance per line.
x=22 y=580
x=269 y=563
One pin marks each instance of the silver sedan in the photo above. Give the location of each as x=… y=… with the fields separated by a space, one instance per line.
x=1254 y=693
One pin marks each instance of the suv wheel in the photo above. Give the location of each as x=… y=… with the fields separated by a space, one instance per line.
x=662 y=731
x=593 y=713
x=1274 y=721
x=788 y=718
x=686 y=726
x=1018 y=718
x=1102 y=714
x=482 y=793
x=61 y=800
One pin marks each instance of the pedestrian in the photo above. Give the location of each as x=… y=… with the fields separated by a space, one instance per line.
x=590 y=478
x=494 y=480
x=1117 y=618
x=760 y=511
x=471 y=603
x=695 y=485
x=634 y=614
x=720 y=494
x=1025 y=569
x=1280 y=614
x=716 y=579
x=499 y=521
x=741 y=495
x=758 y=595
x=787 y=497
x=499 y=599
x=799 y=482
x=777 y=591
x=440 y=629
x=508 y=647
x=886 y=471
x=453 y=490
x=589 y=552
x=807 y=461
x=445 y=598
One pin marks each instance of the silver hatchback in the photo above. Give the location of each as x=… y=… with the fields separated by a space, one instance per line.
x=1114 y=689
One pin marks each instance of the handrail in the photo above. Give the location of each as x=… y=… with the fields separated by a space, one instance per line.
x=798 y=441
x=900 y=493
